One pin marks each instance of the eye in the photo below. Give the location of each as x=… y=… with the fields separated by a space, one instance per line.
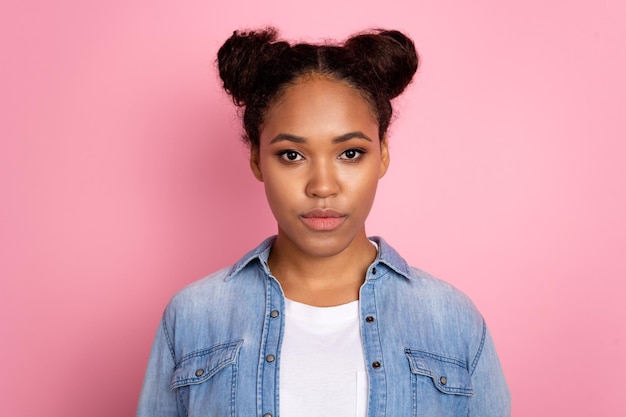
x=351 y=154
x=290 y=155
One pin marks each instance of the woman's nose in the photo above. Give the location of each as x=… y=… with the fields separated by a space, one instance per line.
x=322 y=181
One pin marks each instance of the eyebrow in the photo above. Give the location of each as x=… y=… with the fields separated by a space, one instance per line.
x=298 y=139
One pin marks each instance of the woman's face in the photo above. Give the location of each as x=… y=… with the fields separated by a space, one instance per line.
x=320 y=159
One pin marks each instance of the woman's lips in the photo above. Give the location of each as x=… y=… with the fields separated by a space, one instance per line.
x=323 y=220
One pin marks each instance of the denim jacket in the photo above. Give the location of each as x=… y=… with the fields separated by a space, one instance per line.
x=427 y=349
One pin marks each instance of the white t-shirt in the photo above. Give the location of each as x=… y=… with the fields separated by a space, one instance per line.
x=322 y=368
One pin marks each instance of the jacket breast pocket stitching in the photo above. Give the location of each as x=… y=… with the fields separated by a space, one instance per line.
x=202 y=365
x=449 y=375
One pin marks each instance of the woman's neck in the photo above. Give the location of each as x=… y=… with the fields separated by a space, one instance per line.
x=322 y=281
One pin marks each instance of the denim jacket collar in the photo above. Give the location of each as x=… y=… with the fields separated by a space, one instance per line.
x=386 y=256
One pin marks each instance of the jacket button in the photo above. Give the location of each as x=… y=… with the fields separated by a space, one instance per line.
x=274 y=314
x=376 y=365
x=369 y=319
x=374 y=271
x=200 y=372
x=443 y=380
x=270 y=358
x=267 y=415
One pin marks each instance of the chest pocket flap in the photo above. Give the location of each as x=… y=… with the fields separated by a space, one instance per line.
x=449 y=375
x=200 y=366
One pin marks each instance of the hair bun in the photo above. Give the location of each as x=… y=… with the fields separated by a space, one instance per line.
x=384 y=57
x=241 y=58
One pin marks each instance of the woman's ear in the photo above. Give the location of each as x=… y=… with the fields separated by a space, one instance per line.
x=384 y=157
x=255 y=163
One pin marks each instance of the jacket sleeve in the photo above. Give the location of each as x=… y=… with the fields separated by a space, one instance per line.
x=491 y=394
x=157 y=399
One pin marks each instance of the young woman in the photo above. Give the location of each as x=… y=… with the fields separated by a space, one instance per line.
x=320 y=319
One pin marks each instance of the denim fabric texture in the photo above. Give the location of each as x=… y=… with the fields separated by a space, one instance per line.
x=427 y=349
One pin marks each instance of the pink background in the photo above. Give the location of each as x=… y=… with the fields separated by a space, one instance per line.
x=122 y=179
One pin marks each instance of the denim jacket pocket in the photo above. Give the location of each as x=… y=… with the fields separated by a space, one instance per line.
x=207 y=378
x=442 y=385
x=199 y=366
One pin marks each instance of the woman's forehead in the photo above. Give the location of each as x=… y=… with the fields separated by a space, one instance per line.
x=319 y=106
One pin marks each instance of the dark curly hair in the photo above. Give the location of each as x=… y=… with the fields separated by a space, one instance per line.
x=256 y=68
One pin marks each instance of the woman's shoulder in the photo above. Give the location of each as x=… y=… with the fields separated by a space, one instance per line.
x=438 y=287
x=200 y=291
x=227 y=286
x=423 y=289
x=204 y=284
